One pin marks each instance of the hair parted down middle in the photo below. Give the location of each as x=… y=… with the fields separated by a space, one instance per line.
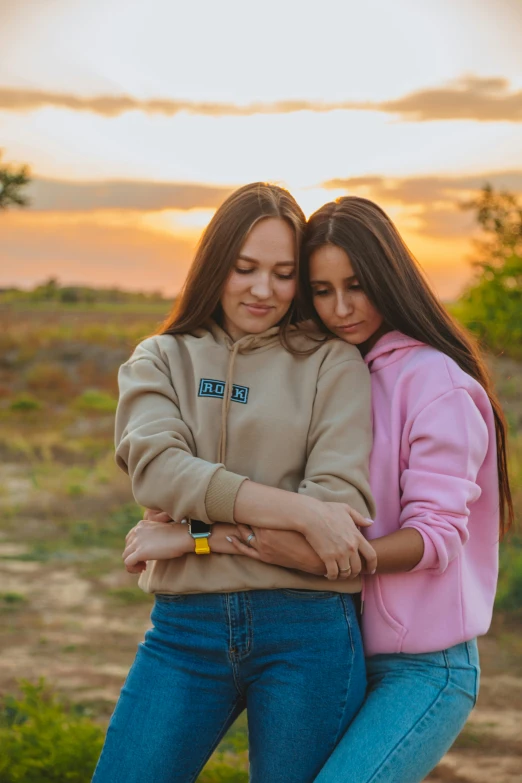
x=390 y=277
x=218 y=249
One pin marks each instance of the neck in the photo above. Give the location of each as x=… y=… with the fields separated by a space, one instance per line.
x=371 y=341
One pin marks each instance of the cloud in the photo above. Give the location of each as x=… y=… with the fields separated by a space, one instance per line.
x=429 y=189
x=63 y=196
x=112 y=106
x=469 y=98
x=435 y=202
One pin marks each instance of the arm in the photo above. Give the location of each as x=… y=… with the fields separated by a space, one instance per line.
x=156 y=448
x=336 y=473
x=448 y=443
x=397 y=552
x=158 y=538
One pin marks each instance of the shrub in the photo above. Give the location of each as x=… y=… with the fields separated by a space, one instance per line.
x=43 y=739
x=95 y=401
x=25 y=402
x=509 y=594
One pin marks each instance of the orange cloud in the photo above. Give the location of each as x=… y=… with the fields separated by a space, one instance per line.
x=469 y=98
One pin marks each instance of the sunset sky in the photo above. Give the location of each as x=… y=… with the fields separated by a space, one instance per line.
x=137 y=119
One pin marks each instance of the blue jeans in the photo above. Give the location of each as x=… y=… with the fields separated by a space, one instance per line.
x=414 y=710
x=293 y=658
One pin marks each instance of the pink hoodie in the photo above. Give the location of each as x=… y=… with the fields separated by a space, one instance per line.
x=433 y=468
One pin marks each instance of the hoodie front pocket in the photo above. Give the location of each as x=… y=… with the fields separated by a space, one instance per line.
x=388 y=618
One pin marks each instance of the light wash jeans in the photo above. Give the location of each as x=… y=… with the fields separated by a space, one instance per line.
x=415 y=707
x=294 y=658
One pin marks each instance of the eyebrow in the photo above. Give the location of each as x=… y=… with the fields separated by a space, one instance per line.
x=243 y=257
x=327 y=282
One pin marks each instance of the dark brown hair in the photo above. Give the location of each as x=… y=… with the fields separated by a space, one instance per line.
x=219 y=246
x=391 y=279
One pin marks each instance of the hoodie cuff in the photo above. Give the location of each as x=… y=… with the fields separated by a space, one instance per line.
x=430 y=558
x=221 y=495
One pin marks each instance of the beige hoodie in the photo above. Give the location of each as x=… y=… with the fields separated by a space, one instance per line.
x=191 y=404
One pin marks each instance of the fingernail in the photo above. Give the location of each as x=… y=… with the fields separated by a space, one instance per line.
x=374 y=571
x=229 y=539
x=369 y=520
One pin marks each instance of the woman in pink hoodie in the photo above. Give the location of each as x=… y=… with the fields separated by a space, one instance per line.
x=439 y=477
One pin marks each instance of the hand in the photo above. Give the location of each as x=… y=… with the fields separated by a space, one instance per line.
x=150 y=540
x=154 y=515
x=279 y=547
x=335 y=536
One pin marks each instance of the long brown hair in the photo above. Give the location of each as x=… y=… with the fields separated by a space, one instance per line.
x=390 y=277
x=219 y=246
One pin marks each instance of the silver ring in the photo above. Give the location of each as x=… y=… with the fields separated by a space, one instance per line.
x=249 y=538
x=344 y=570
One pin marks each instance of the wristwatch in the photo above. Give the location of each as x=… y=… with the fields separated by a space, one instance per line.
x=200 y=532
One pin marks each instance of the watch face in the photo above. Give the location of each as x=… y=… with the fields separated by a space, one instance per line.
x=197 y=527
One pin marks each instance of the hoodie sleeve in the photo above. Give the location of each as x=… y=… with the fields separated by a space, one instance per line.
x=340 y=438
x=156 y=448
x=448 y=444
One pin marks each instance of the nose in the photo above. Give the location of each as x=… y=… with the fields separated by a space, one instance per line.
x=343 y=306
x=261 y=286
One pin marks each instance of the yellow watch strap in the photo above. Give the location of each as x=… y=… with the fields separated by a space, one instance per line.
x=202 y=546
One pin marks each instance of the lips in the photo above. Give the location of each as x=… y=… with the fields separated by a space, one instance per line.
x=348 y=327
x=257 y=309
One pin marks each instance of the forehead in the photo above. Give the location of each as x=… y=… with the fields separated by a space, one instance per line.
x=271 y=239
x=329 y=262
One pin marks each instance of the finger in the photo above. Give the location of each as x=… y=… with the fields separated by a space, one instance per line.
x=345 y=570
x=368 y=552
x=162 y=517
x=332 y=569
x=244 y=549
x=131 y=533
x=138 y=568
x=244 y=531
x=355 y=562
x=359 y=520
x=131 y=556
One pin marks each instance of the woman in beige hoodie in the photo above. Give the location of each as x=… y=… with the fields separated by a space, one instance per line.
x=233 y=414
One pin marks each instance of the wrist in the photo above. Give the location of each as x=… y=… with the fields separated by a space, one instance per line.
x=185 y=539
x=306 y=515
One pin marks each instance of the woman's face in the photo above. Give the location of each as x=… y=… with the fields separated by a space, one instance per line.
x=261 y=286
x=340 y=302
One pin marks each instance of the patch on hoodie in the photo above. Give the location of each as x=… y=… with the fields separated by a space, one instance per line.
x=210 y=388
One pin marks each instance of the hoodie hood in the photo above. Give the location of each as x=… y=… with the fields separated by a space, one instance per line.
x=389 y=349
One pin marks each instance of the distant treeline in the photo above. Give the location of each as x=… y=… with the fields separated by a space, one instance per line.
x=52 y=291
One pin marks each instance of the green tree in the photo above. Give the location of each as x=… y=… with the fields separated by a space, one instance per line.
x=12 y=182
x=492 y=305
